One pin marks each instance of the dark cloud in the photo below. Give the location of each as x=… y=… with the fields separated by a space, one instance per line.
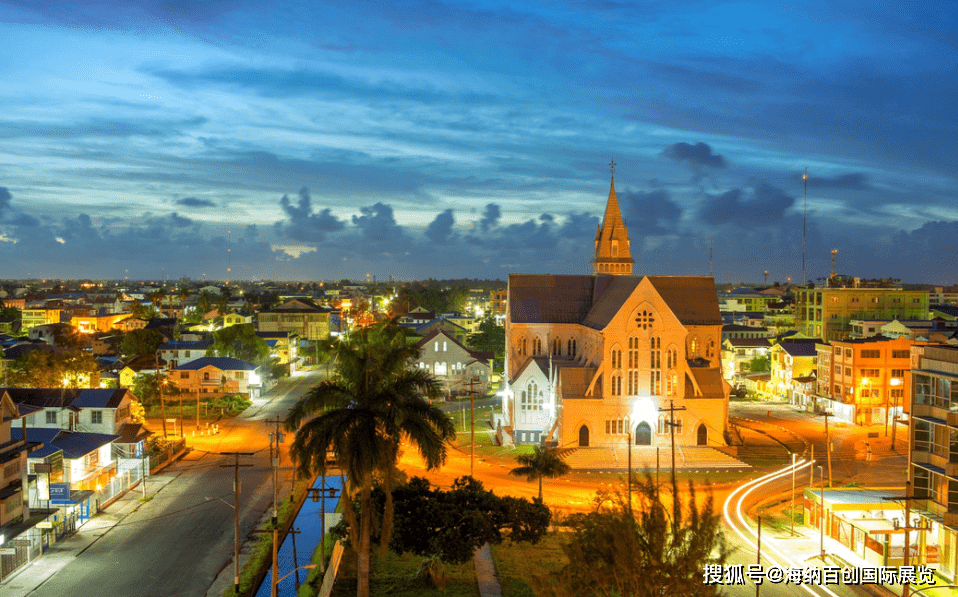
x=302 y=223
x=25 y=221
x=695 y=156
x=546 y=218
x=5 y=198
x=856 y=181
x=651 y=213
x=762 y=205
x=194 y=202
x=377 y=224
x=440 y=229
x=490 y=217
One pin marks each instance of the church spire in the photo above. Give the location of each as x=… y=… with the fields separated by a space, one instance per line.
x=613 y=254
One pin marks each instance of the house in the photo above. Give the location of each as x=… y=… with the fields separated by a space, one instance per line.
x=788 y=360
x=88 y=460
x=95 y=411
x=31 y=318
x=283 y=346
x=458 y=368
x=216 y=376
x=447 y=326
x=738 y=354
x=297 y=316
x=595 y=360
x=181 y=352
x=137 y=366
x=236 y=319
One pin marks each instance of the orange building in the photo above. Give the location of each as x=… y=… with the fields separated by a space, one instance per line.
x=870 y=373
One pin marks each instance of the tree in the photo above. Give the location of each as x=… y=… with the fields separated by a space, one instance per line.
x=543 y=462
x=240 y=342
x=449 y=525
x=205 y=303
x=48 y=369
x=615 y=552
x=759 y=364
x=491 y=337
x=140 y=342
x=371 y=403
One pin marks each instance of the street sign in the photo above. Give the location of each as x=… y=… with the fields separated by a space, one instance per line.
x=43 y=468
x=60 y=491
x=46 y=524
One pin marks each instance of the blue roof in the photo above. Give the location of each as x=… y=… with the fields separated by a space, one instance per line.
x=74 y=444
x=222 y=363
x=182 y=345
x=109 y=398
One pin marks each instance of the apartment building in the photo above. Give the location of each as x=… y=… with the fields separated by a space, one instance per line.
x=827 y=313
x=298 y=316
x=868 y=373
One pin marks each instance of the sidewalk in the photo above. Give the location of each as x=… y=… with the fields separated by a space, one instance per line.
x=486 y=572
x=59 y=555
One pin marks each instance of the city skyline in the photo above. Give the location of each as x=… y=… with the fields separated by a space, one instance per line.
x=471 y=140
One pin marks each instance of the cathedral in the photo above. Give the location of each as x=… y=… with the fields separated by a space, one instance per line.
x=592 y=360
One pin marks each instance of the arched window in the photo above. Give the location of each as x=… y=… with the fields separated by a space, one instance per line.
x=557 y=346
x=573 y=348
x=536 y=345
x=662 y=428
x=524 y=350
x=702 y=436
x=655 y=372
x=532 y=397
x=444 y=346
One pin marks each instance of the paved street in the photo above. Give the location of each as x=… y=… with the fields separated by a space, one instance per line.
x=176 y=543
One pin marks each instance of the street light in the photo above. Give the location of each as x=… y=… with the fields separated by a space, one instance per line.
x=895 y=382
x=282 y=578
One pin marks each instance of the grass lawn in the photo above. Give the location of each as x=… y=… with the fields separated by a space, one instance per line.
x=394 y=575
x=517 y=564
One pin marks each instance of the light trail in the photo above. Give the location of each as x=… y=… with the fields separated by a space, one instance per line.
x=739 y=495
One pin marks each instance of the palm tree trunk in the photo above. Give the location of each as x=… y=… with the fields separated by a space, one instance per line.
x=366 y=517
x=540 y=488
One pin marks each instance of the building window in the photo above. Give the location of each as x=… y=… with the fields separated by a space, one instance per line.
x=184 y=375
x=655 y=387
x=848 y=371
x=96 y=417
x=922 y=436
x=444 y=347
x=871 y=354
x=869 y=373
x=557 y=347
x=51 y=417
x=436 y=346
x=899 y=373
x=848 y=353
x=536 y=345
x=900 y=354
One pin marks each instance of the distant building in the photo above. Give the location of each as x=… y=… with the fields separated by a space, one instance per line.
x=827 y=313
x=216 y=376
x=30 y=318
x=297 y=316
x=459 y=368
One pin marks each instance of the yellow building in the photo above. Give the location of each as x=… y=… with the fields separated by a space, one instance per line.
x=788 y=361
x=89 y=324
x=593 y=358
x=30 y=318
x=827 y=313
x=297 y=316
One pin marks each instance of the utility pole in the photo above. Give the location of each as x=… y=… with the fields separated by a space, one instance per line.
x=908 y=526
x=320 y=493
x=821 y=517
x=828 y=448
x=274 y=462
x=792 y=511
x=758 y=556
x=675 y=488
x=472 y=428
x=236 y=492
x=295 y=532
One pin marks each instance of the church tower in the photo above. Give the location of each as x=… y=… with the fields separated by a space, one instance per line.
x=613 y=256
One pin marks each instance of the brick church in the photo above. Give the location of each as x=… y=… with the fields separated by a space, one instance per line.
x=591 y=357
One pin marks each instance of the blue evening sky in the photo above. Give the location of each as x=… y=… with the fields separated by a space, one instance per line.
x=323 y=140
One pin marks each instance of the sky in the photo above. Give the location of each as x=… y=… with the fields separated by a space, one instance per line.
x=328 y=140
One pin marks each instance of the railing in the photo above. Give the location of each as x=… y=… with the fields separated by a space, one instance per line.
x=330 y=576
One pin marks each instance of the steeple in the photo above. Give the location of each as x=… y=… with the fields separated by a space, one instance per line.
x=613 y=254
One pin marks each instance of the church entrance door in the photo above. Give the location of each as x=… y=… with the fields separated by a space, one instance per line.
x=643 y=434
x=703 y=435
x=583 y=437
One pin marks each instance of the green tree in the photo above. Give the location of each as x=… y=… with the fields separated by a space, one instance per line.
x=240 y=342
x=139 y=342
x=205 y=302
x=48 y=369
x=543 y=462
x=759 y=364
x=372 y=402
x=614 y=551
x=491 y=337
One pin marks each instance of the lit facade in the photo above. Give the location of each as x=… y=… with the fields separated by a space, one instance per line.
x=827 y=313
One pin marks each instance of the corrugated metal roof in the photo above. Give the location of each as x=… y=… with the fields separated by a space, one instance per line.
x=546 y=298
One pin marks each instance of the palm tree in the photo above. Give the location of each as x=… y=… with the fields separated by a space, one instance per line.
x=372 y=402
x=543 y=462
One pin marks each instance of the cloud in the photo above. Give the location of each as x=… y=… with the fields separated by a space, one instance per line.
x=25 y=221
x=194 y=202
x=5 y=198
x=440 y=229
x=377 y=223
x=651 y=213
x=762 y=205
x=695 y=156
x=302 y=223
x=856 y=181
x=490 y=217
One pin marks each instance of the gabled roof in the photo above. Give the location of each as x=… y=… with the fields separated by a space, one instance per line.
x=67 y=398
x=951 y=310
x=691 y=298
x=540 y=361
x=75 y=444
x=130 y=433
x=709 y=381
x=100 y=398
x=799 y=349
x=476 y=354
x=748 y=342
x=298 y=305
x=734 y=327
x=221 y=363
x=144 y=362
x=547 y=298
x=612 y=292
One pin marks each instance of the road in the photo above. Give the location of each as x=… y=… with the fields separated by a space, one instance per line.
x=176 y=543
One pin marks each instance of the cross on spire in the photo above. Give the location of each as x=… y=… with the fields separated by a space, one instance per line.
x=612 y=167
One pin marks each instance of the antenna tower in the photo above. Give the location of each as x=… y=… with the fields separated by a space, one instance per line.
x=229 y=256
x=710 y=239
x=804 y=220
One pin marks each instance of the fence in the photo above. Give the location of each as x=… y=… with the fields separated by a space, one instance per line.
x=158 y=459
x=334 y=559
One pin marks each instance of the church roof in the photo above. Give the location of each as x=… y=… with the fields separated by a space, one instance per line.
x=709 y=381
x=611 y=294
x=547 y=298
x=691 y=298
x=613 y=228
